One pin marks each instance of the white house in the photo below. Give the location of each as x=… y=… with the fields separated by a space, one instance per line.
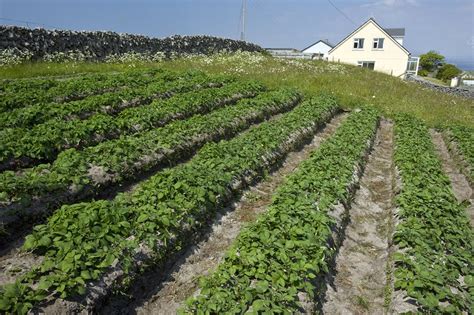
x=467 y=78
x=319 y=50
x=289 y=53
x=375 y=48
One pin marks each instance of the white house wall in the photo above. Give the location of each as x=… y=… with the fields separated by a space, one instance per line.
x=391 y=59
x=318 y=48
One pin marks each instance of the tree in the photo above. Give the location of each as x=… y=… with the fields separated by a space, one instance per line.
x=431 y=60
x=447 y=72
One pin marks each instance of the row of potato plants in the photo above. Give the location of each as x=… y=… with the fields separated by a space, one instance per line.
x=81 y=242
x=274 y=260
x=20 y=85
x=463 y=137
x=10 y=86
x=71 y=89
x=160 y=86
x=69 y=178
x=43 y=142
x=434 y=261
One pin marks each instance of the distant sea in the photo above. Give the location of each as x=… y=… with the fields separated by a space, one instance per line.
x=466 y=65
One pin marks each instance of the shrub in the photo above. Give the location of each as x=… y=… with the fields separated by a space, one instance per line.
x=423 y=72
x=447 y=72
x=14 y=56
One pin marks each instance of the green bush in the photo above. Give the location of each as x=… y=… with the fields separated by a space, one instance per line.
x=423 y=72
x=447 y=72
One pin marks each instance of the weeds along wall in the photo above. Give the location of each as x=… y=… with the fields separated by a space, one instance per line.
x=38 y=43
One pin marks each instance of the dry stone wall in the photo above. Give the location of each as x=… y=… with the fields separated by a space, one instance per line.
x=98 y=45
x=467 y=93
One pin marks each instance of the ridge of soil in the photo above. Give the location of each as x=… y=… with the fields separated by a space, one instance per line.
x=360 y=281
x=459 y=183
x=163 y=291
x=14 y=262
x=115 y=280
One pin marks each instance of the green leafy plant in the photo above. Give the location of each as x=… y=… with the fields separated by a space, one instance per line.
x=447 y=72
x=278 y=256
x=129 y=156
x=434 y=237
x=463 y=137
x=24 y=93
x=81 y=241
x=44 y=141
x=431 y=60
x=139 y=90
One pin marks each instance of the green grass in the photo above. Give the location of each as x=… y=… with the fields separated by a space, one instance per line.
x=352 y=85
x=436 y=81
x=46 y=69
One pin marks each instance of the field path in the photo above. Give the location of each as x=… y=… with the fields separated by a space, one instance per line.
x=164 y=291
x=360 y=279
x=461 y=188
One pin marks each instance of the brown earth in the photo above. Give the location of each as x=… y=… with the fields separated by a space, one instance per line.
x=459 y=183
x=165 y=291
x=360 y=281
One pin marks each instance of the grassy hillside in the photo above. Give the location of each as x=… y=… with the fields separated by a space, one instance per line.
x=352 y=85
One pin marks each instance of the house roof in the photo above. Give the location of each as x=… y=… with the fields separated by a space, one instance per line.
x=467 y=75
x=325 y=41
x=378 y=26
x=281 y=49
x=395 y=32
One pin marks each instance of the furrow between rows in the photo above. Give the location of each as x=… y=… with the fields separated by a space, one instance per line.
x=461 y=188
x=44 y=142
x=164 y=290
x=433 y=253
x=278 y=262
x=24 y=93
x=136 y=93
x=91 y=248
x=103 y=169
x=359 y=282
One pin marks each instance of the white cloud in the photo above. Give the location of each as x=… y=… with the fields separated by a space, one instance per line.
x=391 y=3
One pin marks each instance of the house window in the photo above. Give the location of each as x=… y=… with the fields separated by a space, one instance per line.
x=378 y=43
x=358 y=43
x=366 y=64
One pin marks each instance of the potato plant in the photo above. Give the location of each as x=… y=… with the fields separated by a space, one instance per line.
x=21 y=147
x=81 y=241
x=434 y=264
x=276 y=259
x=130 y=156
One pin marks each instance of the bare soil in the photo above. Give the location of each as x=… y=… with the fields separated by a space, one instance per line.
x=360 y=281
x=165 y=290
x=19 y=220
x=16 y=263
x=143 y=267
x=459 y=183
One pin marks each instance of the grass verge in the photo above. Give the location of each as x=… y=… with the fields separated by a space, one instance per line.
x=351 y=85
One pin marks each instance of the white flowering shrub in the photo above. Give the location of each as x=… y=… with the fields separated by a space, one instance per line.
x=14 y=56
x=244 y=62
x=240 y=62
x=134 y=57
x=68 y=56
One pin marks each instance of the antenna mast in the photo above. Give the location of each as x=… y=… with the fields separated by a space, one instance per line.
x=244 y=9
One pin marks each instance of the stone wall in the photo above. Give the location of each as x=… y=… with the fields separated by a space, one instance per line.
x=98 y=45
x=444 y=89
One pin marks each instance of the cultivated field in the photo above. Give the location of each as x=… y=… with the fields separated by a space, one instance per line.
x=199 y=186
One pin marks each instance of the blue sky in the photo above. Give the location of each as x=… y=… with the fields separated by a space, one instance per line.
x=444 y=25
